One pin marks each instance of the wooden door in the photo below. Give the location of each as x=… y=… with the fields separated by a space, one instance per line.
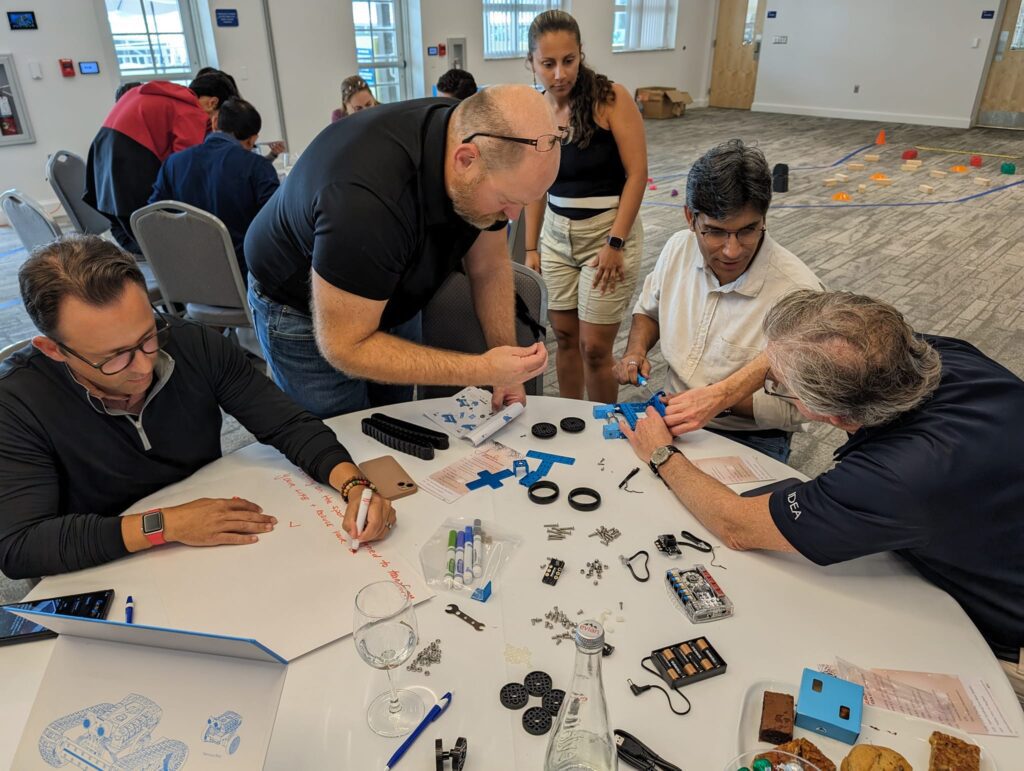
x=734 y=70
x=1002 y=102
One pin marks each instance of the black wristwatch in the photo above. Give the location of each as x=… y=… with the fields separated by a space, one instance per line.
x=615 y=242
x=660 y=457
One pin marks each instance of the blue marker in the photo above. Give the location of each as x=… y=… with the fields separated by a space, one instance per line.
x=435 y=712
x=467 y=568
x=129 y=610
x=460 y=552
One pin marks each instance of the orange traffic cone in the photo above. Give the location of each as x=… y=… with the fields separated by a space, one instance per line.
x=880 y=139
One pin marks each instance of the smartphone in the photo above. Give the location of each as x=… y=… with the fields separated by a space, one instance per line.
x=391 y=480
x=15 y=629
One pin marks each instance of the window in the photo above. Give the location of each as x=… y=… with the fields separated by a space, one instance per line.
x=750 y=22
x=380 y=49
x=1018 y=31
x=153 y=39
x=506 y=23
x=644 y=25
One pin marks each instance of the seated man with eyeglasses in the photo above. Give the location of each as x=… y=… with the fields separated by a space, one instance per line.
x=113 y=402
x=710 y=290
x=931 y=469
x=379 y=211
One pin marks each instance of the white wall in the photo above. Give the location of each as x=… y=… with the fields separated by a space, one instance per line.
x=913 y=59
x=65 y=112
x=687 y=67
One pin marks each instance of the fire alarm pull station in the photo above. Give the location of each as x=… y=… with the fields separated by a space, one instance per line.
x=67 y=68
x=442 y=49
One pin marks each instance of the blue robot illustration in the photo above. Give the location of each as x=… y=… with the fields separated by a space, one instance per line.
x=223 y=730
x=112 y=737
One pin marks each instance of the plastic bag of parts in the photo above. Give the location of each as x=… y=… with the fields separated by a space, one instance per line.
x=497 y=548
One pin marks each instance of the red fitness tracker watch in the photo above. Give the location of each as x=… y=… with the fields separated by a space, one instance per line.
x=153 y=526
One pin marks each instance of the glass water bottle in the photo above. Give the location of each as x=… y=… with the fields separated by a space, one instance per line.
x=582 y=738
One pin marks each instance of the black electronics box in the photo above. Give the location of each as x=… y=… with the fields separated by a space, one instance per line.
x=688 y=662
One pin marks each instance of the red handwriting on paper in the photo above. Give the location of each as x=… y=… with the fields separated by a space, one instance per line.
x=331 y=505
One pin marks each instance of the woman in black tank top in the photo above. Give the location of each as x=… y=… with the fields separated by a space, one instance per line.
x=585 y=236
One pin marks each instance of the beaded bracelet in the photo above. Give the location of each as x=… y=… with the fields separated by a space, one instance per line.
x=356 y=482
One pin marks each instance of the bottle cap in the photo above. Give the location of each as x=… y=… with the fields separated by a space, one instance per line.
x=590 y=636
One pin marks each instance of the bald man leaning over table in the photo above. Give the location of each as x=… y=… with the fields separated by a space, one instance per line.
x=380 y=209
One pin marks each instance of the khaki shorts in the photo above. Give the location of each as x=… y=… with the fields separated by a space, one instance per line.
x=566 y=245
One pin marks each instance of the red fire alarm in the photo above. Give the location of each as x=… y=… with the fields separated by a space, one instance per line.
x=67 y=68
x=442 y=49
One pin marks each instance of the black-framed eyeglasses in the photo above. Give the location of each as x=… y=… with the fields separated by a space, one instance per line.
x=120 y=361
x=543 y=144
x=773 y=387
x=746 y=236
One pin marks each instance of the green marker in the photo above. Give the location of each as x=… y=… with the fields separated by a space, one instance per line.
x=449 y=576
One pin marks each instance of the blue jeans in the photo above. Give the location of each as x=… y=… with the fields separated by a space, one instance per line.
x=773 y=446
x=297 y=366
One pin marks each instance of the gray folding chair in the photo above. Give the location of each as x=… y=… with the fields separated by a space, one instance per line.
x=7 y=350
x=517 y=238
x=66 y=173
x=30 y=221
x=450 y=322
x=194 y=263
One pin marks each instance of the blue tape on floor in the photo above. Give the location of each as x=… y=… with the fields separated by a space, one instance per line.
x=9 y=304
x=865 y=205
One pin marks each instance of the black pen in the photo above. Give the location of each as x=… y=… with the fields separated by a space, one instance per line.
x=629 y=476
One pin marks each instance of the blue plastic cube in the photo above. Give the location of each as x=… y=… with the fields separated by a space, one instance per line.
x=830 y=706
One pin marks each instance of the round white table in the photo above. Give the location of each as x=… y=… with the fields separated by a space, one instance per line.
x=789 y=614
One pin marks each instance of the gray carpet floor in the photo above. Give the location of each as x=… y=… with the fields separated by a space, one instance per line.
x=952 y=260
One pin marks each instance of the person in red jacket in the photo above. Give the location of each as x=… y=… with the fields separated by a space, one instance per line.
x=145 y=126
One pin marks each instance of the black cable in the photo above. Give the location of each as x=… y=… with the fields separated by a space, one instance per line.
x=628 y=562
x=638 y=689
x=689 y=539
x=635 y=753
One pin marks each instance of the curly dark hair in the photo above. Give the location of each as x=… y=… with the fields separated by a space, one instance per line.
x=591 y=88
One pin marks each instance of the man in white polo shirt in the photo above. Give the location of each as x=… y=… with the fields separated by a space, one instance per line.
x=710 y=290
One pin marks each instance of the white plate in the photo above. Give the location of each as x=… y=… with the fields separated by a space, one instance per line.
x=907 y=735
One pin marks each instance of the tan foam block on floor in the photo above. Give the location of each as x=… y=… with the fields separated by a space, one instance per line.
x=883 y=182
x=871 y=158
x=983 y=181
x=855 y=166
x=926 y=188
x=831 y=182
x=842 y=177
x=908 y=167
x=938 y=174
x=862 y=188
x=913 y=162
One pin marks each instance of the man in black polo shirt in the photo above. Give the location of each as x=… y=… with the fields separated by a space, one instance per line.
x=380 y=209
x=111 y=403
x=931 y=471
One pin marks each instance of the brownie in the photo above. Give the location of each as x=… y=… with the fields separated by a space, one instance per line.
x=776 y=718
x=952 y=754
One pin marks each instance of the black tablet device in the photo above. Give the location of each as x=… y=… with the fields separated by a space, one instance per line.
x=15 y=629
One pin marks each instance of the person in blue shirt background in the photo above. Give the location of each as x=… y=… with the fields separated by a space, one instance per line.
x=222 y=175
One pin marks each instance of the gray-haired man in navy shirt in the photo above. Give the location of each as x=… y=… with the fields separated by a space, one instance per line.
x=931 y=471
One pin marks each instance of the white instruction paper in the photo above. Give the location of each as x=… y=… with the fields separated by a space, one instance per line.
x=468 y=415
x=449 y=484
x=734 y=469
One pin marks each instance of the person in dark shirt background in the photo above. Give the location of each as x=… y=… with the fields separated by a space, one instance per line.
x=222 y=175
x=931 y=469
x=456 y=84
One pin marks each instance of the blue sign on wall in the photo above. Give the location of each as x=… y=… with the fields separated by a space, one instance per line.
x=988 y=14
x=772 y=14
x=227 y=17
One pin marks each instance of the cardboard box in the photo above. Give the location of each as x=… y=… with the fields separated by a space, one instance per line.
x=657 y=102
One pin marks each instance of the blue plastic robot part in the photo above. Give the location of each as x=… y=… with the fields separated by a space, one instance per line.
x=547 y=461
x=631 y=411
x=489 y=479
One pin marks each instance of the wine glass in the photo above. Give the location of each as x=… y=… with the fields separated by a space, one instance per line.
x=385 y=636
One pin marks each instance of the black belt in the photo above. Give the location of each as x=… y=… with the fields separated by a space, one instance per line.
x=405 y=437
